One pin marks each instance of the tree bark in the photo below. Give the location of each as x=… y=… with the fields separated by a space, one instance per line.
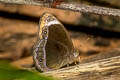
x=104 y=69
x=70 y=6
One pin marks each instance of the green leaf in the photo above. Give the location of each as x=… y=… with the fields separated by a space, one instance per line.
x=8 y=72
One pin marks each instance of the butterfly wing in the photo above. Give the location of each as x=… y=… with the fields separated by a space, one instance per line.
x=59 y=48
x=54 y=48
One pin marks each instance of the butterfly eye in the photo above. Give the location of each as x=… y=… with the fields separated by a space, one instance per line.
x=50 y=18
x=45 y=32
x=40 y=59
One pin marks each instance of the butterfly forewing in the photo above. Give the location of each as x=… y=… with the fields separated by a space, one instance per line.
x=59 y=46
x=54 y=47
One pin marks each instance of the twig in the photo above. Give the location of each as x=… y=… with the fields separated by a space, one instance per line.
x=70 y=6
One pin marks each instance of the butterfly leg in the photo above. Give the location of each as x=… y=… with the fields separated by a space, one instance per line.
x=68 y=62
x=77 y=62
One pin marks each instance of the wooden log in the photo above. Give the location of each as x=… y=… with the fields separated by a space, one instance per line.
x=70 y=6
x=104 y=69
x=109 y=23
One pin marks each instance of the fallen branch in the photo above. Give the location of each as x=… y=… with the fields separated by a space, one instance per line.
x=88 y=68
x=94 y=69
x=70 y=6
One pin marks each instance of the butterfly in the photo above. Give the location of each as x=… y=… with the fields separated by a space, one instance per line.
x=53 y=48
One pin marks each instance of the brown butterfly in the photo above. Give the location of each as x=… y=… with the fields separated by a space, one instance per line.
x=54 y=47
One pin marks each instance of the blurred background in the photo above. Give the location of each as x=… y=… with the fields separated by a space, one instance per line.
x=92 y=34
